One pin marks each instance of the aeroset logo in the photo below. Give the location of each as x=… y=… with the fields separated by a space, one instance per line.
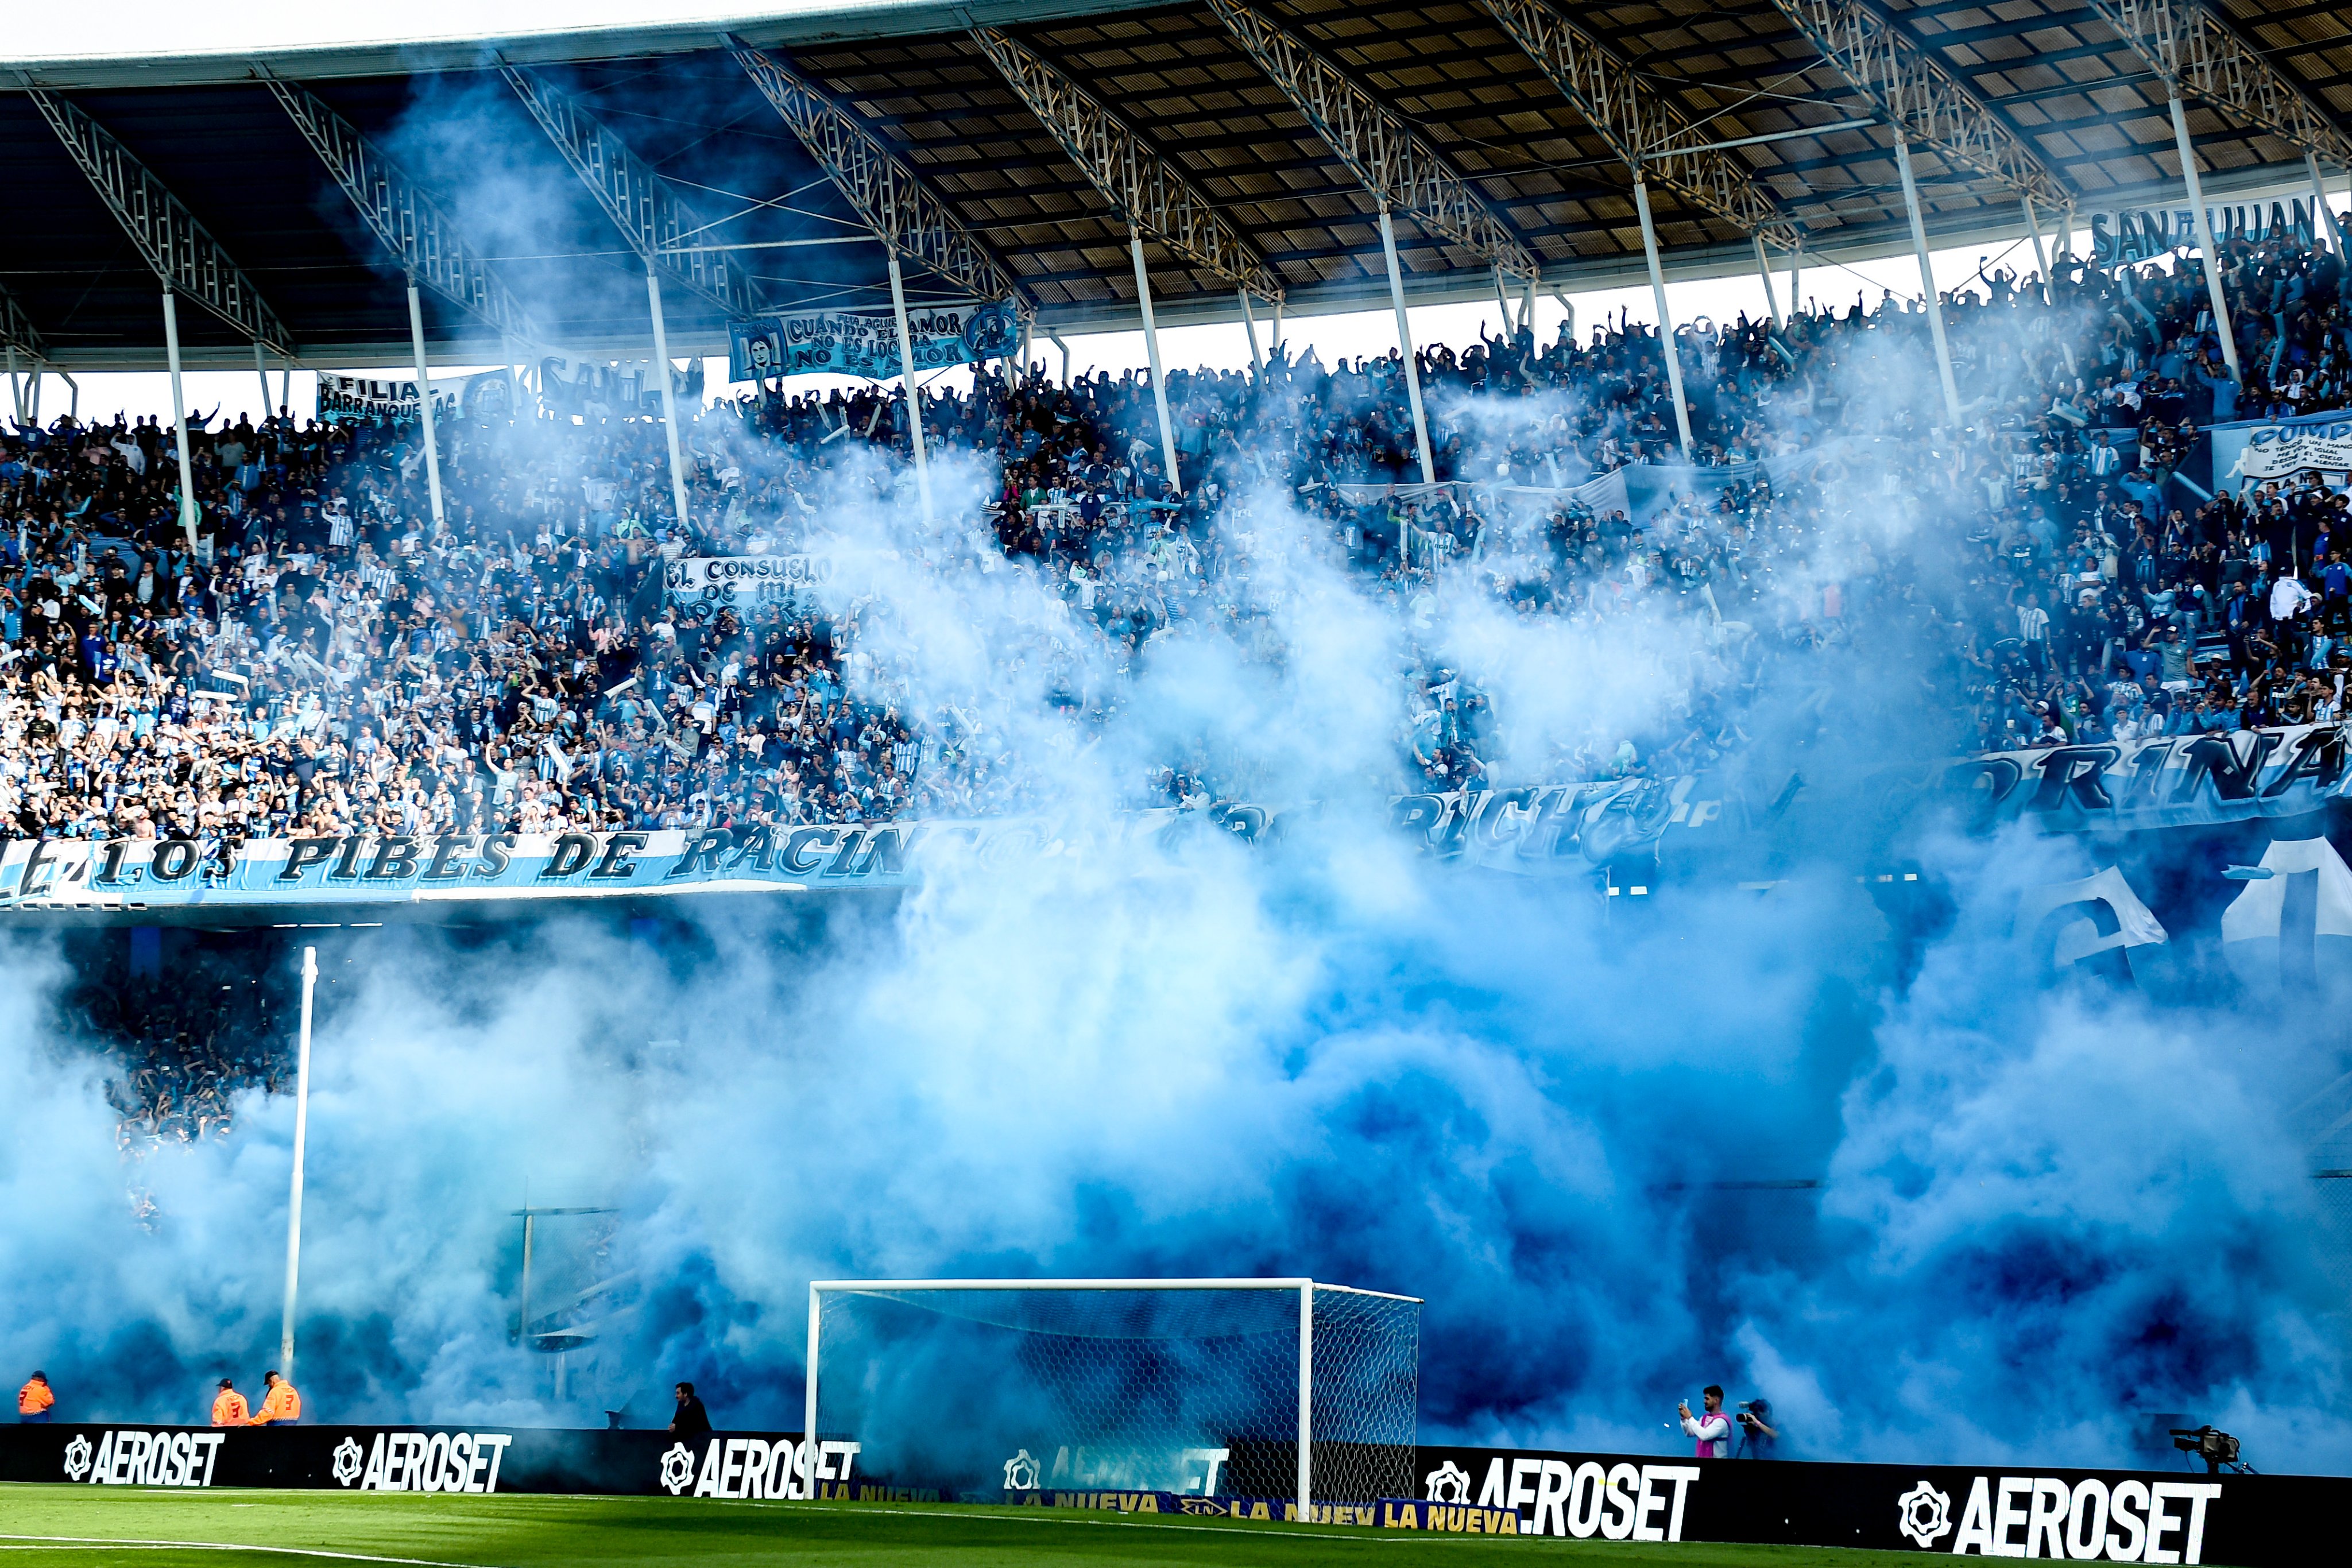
x=144 y=1459
x=2125 y=1521
x=1926 y=1514
x=415 y=1461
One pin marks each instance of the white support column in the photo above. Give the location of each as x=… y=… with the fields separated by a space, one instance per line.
x=1062 y=344
x=2041 y=254
x=1404 y=347
x=1503 y=301
x=1528 y=302
x=808 y=1420
x=1249 y=325
x=669 y=396
x=1796 y=267
x=1665 y=319
x=1274 y=336
x=1306 y=1401
x=285 y=386
x=1028 y=339
x=1151 y=351
x=37 y=394
x=17 y=389
x=424 y=404
x=301 y=1139
x=261 y=371
x=179 y=421
x=1927 y=283
x=1764 y=271
x=2323 y=221
x=2222 y=327
x=914 y=391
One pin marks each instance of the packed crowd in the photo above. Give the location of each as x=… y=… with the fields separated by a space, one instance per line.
x=329 y=657
x=180 y=1049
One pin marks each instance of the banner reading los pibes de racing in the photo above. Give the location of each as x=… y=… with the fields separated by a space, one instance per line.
x=1550 y=829
x=841 y=343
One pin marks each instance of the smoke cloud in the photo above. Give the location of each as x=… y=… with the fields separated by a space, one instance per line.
x=2044 y=1208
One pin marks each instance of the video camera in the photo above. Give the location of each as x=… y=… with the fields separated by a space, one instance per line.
x=2215 y=1447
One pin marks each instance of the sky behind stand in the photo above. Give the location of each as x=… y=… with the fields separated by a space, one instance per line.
x=150 y=27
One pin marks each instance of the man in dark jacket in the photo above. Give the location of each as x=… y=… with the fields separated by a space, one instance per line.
x=691 y=1417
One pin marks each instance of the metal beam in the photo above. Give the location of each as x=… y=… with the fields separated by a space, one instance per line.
x=1151 y=192
x=1399 y=166
x=181 y=252
x=2197 y=53
x=1641 y=126
x=642 y=205
x=880 y=186
x=408 y=222
x=16 y=329
x=1927 y=105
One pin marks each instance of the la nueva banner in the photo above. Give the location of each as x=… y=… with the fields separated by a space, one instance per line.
x=487 y=396
x=843 y=343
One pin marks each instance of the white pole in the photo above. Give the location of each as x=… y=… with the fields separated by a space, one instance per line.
x=1503 y=300
x=808 y=1420
x=301 y=1137
x=1665 y=319
x=1249 y=325
x=425 y=403
x=1527 y=299
x=2222 y=325
x=2040 y=253
x=1274 y=334
x=2324 y=217
x=1764 y=271
x=261 y=374
x=914 y=394
x=1062 y=344
x=1151 y=351
x=16 y=388
x=1404 y=346
x=1796 y=264
x=1927 y=283
x=669 y=394
x=1307 y=1402
x=285 y=388
x=179 y=420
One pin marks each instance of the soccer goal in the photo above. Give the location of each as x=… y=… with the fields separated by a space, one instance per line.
x=1268 y=1388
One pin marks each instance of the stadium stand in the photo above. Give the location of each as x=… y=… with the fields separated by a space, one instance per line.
x=338 y=666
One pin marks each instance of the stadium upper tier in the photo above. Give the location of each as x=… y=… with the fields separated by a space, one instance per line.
x=1253 y=143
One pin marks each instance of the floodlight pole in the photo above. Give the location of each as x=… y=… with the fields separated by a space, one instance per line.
x=1152 y=352
x=2324 y=217
x=2221 y=326
x=1665 y=321
x=906 y=366
x=1927 y=282
x=301 y=1138
x=1764 y=271
x=808 y=1420
x=425 y=402
x=1404 y=347
x=1306 y=1401
x=179 y=420
x=668 y=393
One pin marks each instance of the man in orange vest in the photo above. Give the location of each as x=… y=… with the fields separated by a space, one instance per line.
x=280 y=1405
x=33 y=1400
x=228 y=1405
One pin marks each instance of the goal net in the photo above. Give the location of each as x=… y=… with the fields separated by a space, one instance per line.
x=1264 y=1388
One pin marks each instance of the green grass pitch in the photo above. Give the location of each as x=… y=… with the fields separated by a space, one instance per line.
x=90 y=1526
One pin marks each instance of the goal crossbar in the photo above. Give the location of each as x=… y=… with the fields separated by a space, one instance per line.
x=1304 y=1287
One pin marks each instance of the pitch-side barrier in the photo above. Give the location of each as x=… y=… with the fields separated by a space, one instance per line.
x=2157 y=1516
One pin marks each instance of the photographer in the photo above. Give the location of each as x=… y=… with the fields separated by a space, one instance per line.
x=1711 y=1426
x=1759 y=1439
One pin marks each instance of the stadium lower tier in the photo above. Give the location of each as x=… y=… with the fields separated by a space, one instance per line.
x=2158 y=1516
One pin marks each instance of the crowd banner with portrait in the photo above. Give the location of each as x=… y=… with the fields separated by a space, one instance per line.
x=489 y=396
x=843 y=342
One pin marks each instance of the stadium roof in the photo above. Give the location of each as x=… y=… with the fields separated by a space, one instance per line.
x=1250 y=136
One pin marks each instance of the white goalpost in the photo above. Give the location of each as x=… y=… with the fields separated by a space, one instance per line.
x=1277 y=1388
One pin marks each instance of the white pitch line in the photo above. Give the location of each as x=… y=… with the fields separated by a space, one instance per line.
x=97 y=1540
